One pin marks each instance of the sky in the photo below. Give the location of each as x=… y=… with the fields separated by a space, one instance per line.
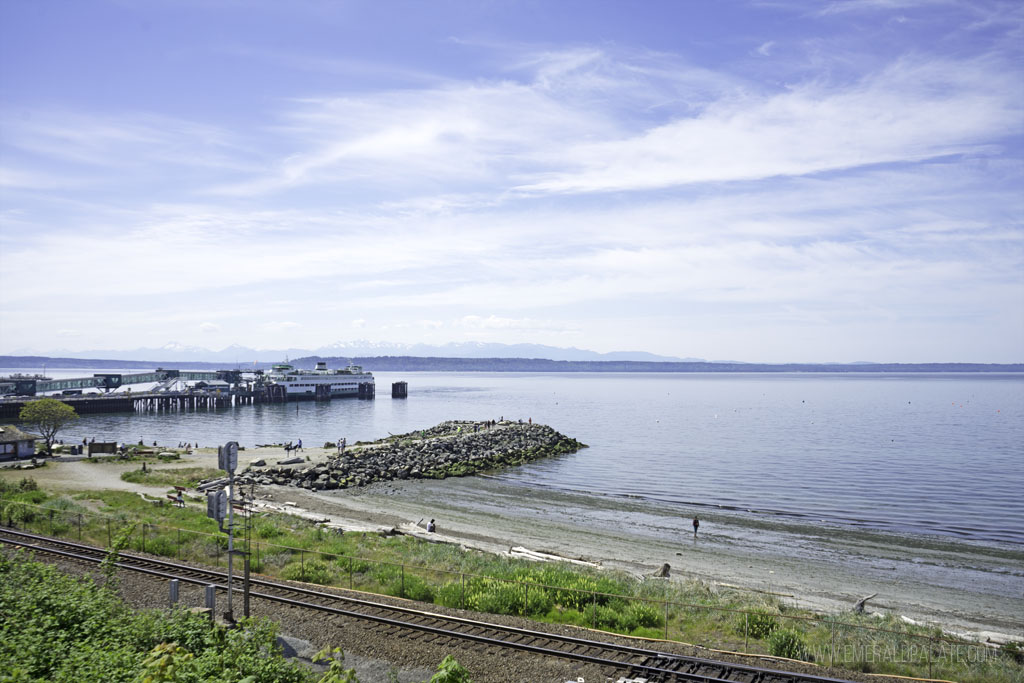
x=765 y=181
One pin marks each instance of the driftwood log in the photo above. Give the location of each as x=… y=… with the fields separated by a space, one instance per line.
x=859 y=606
x=664 y=572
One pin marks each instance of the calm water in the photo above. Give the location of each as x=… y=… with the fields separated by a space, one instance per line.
x=935 y=454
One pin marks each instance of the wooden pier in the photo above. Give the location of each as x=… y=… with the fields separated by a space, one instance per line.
x=171 y=402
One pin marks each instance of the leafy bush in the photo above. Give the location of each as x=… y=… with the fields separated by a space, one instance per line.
x=642 y=614
x=495 y=597
x=311 y=571
x=758 y=624
x=450 y=671
x=449 y=595
x=66 y=630
x=267 y=529
x=787 y=643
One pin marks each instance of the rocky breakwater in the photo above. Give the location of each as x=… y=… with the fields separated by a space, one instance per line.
x=451 y=449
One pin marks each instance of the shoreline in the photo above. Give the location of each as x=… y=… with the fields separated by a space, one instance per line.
x=971 y=591
x=968 y=590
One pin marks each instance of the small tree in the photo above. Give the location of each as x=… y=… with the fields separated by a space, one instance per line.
x=47 y=416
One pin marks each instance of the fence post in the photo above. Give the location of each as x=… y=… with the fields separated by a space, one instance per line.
x=593 y=611
x=110 y=543
x=302 y=564
x=350 y=579
x=931 y=642
x=51 y=522
x=462 y=593
x=79 y=527
x=666 y=620
x=177 y=546
x=526 y=600
x=746 y=629
x=403 y=579
x=143 y=537
x=832 y=659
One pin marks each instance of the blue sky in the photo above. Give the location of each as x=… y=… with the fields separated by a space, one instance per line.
x=762 y=181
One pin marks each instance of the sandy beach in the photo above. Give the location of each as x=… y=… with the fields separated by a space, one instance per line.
x=967 y=589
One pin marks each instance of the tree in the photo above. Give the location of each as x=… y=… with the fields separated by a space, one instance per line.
x=47 y=416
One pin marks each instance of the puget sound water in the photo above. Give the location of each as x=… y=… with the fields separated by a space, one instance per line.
x=936 y=454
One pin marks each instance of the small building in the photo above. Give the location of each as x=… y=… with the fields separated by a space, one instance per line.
x=15 y=443
x=214 y=386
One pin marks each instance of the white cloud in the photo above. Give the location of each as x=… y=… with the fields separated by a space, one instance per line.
x=208 y=328
x=912 y=111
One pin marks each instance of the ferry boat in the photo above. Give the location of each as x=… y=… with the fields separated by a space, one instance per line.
x=320 y=382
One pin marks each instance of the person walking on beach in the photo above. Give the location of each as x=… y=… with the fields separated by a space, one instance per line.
x=696 y=524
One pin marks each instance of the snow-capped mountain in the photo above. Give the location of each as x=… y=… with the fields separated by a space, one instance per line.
x=236 y=354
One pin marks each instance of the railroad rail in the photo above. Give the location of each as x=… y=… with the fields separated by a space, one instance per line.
x=625 y=660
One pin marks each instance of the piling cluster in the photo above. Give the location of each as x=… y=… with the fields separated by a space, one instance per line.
x=451 y=449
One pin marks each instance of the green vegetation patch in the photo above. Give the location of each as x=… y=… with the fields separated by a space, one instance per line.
x=695 y=612
x=58 y=628
x=184 y=476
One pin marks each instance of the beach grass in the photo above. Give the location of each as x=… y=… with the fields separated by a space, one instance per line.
x=694 y=612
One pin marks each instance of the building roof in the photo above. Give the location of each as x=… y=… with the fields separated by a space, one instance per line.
x=9 y=434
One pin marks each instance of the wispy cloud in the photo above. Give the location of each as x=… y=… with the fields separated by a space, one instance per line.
x=912 y=111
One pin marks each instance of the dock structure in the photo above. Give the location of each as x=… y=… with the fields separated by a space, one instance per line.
x=399 y=390
x=213 y=390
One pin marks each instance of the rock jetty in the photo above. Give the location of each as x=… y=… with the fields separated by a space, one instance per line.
x=451 y=449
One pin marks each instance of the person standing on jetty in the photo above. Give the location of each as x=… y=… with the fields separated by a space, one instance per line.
x=696 y=524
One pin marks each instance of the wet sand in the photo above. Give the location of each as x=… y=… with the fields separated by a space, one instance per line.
x=964 y=588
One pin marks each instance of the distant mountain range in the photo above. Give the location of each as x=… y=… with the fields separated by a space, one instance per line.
x=241 y=355
x=439 y=364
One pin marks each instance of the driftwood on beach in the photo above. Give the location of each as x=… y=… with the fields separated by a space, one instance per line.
x=451 y=449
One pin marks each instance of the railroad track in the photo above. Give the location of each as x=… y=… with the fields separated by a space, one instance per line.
x=626 y=661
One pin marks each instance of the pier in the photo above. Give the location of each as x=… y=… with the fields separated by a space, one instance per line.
x=213 y=390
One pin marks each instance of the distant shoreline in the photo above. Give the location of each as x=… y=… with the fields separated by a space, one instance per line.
x=436 y=364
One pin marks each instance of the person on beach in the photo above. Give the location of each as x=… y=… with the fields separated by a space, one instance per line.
x=430 y=526
x=696 y=524
x=298 y=446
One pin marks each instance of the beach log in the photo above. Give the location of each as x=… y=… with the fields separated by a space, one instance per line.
x=859 y=606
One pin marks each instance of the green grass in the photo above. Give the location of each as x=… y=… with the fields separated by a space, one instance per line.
x=183 y=476
x=694 y=612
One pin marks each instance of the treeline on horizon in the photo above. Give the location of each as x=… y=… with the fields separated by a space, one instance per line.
x=435 y=364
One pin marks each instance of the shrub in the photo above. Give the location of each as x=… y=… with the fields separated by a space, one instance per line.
x=450 y=594
x=311 y=571
x=787 y=643
x=758 y=624
x=415 y=589
x=496 y=597
x=266 y=529
x=450 y=671
x=642 y=614
x=603 y=616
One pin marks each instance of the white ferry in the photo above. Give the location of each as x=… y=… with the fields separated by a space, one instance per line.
x=320 y=381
